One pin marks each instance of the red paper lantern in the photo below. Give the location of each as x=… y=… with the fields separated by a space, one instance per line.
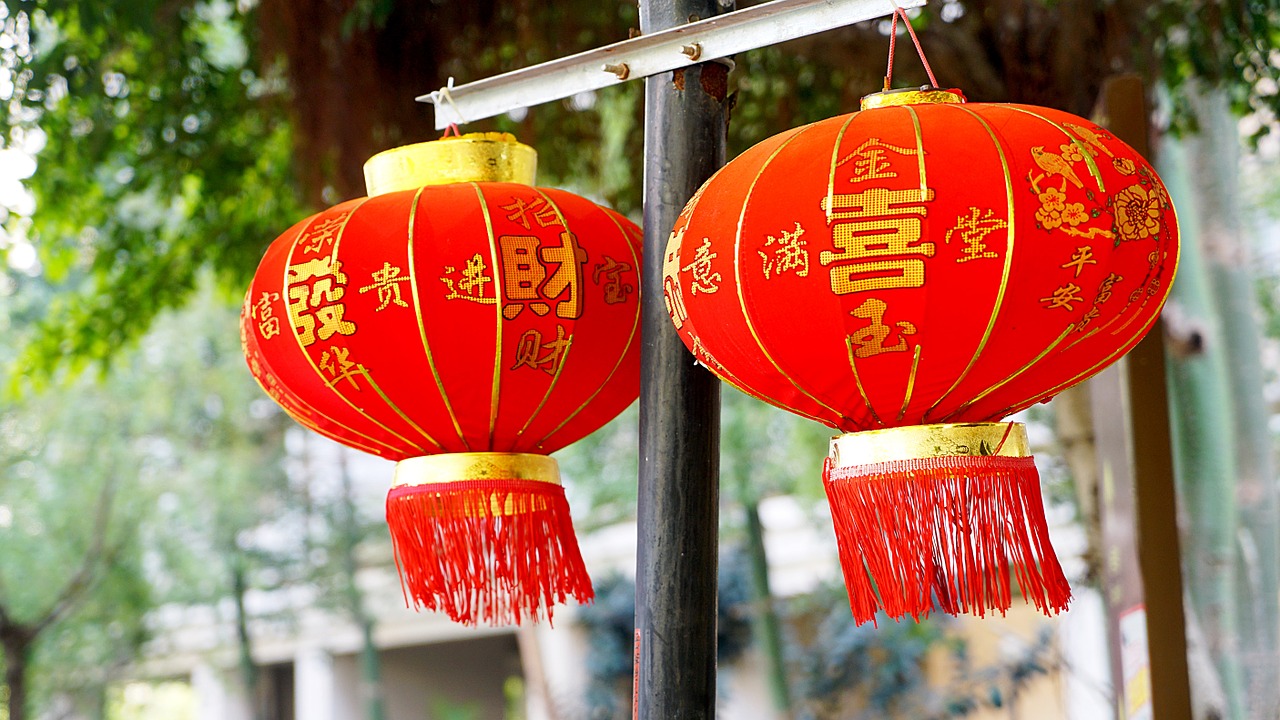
x=926 y=262
x=464 y=329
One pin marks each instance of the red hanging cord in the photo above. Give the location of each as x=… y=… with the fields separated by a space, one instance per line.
x=893 y=36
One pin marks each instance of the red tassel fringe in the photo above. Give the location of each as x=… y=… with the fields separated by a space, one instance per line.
x=951 y=528
x=497 y=551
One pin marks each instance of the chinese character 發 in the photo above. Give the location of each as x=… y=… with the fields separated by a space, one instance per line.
x=873 y=229
x=315 y=288
x=384 y=281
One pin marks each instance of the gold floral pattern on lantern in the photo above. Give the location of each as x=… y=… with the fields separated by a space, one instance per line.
x=1137 y=213
x=1124 y=166
x=1055 y=210
x=1071 y=153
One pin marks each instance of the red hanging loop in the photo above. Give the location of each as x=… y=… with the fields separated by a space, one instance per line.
x=893 y=37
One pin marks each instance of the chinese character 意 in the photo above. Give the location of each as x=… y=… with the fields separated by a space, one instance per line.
x=615 y=290
x=704 y=280
x=789 y=254
x=869 y=341
x=873 y=230
x=1063 y=297
x=384 y=281
x=542 y=212
x=530 y=351
x=974 y=229
x=1081 y=257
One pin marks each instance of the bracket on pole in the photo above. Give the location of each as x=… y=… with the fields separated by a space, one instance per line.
x=711 y=39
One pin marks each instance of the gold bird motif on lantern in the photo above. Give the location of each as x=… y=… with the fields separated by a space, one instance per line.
x=1054 y=164
x=1090 y=137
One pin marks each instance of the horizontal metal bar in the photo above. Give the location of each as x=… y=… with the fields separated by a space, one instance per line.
x=711 y=39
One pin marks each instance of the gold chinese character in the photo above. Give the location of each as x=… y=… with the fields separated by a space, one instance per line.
x=671 y=280
x=318 y=285
x=384 y=281
x=883 y=226
x=543 y=213
x=569 y=257
x=869 y=341
x=1063 y=297
x=268 y=324
x=1104 y=289
x=974 y=229
x=474 y=278
x=704 y=280
x=615 y=290
x=529 y=351
x=869 y=161
x=522 y=273
x=334 y=361
x=789 y=255
x=323 y=233
x=1081 y=257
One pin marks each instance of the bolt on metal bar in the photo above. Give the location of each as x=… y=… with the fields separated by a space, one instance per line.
x=677 y=47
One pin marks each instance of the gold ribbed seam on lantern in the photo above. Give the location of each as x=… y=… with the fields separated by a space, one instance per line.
x=926 y=441
x=912 y=96
x=474 y=157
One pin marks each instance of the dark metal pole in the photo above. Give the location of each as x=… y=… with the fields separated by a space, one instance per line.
x=686 y=113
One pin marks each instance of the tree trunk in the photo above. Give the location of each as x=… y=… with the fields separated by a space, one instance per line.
x=765 y=615
x=15 y=642
x=1200 y=395
x=370 y=665
x=249 y=672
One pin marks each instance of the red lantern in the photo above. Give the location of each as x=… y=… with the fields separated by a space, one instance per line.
x=911 y=274
x=464 y=329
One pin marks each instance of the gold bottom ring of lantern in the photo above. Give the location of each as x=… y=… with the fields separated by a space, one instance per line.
x=1007 y=439
x=454 y=468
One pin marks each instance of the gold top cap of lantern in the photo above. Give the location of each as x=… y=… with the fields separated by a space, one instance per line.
x=923 y=95
x=474 y=157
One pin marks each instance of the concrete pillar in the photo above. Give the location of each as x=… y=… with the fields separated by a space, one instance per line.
x=214 y=699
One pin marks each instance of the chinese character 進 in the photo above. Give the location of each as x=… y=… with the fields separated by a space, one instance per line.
x=871 y=228
x=471 y=284
x=974 y=229
x=384 y=281
x=615 y=290
x=543 y=213
x=869 y=341
x=1063 y=297
x=529 y=351
x=789 y=254
x=704 y=280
